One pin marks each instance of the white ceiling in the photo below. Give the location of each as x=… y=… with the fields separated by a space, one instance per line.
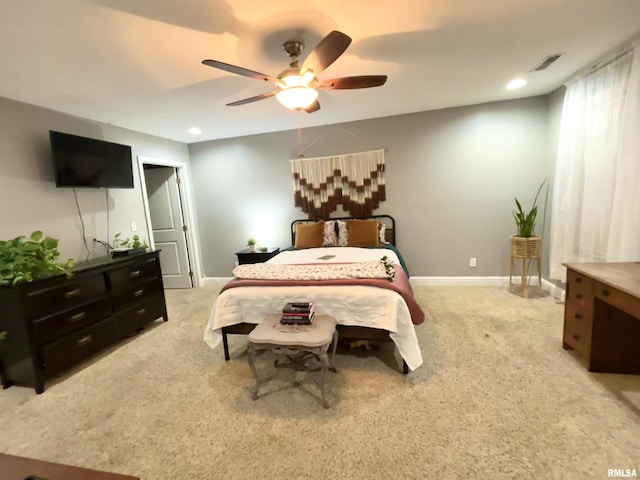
x=137 y=63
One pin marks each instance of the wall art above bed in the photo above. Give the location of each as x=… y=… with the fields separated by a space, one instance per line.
x=355 y=181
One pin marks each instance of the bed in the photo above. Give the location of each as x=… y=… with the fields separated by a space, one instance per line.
x=365 y=308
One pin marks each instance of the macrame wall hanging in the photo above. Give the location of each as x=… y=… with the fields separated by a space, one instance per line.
x=354 y=180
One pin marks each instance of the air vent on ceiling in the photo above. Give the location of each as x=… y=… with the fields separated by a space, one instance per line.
x=548 y=60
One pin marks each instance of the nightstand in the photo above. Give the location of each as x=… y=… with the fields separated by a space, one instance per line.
x=245 y=256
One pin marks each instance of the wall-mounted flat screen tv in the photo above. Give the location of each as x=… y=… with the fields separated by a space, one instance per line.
x=88 y=162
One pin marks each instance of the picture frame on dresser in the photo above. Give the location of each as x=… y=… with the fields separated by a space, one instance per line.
x=56 y=323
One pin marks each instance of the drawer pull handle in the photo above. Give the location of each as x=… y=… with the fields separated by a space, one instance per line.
x=138 y=293
x=579 y=296
x=78 y=316
x=579 y=280
x=134 y=273
x=578 y=316
x=576 y=336
x=606 y=293
x=84 y=340
x=72 y=293
x=142 y=311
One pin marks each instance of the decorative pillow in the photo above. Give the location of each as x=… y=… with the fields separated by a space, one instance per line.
x=343 y=235
x=383 y=233
x=363 y=233
x=330 y=238
x=309 y=235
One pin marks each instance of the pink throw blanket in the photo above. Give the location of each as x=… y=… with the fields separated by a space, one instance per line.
x=400 y=284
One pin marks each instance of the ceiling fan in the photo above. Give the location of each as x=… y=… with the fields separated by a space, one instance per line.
x=297 y=87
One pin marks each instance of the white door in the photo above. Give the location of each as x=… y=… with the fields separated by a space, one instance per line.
x=165 y=210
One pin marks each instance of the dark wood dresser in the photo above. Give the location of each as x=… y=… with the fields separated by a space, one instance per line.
x=602 y=315
x=55 y=323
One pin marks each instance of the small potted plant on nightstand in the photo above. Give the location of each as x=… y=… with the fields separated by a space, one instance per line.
x=251 y=244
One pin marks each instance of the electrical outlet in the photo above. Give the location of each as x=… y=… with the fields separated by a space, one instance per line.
x=472 y=262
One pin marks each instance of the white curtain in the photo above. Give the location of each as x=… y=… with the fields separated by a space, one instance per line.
x=596 y=200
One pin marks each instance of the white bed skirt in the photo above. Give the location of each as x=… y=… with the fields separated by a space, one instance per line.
x=360 y=306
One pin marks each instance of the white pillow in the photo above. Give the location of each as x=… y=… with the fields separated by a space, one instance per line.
x=382 y=230
x=330 y=239
x=343 y=235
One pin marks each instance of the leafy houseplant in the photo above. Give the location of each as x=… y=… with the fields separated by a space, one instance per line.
x=25 y=260
x=251 y=243
x=526 y=221
x=525 y=244
x=128 y=243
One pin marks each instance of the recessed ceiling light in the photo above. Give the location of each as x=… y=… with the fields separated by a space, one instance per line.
x=516 y=83
x=195 y=131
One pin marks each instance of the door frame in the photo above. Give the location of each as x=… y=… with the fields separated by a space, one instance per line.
x=186 y=199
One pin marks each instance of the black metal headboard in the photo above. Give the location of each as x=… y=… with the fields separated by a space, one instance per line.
x=388 y=221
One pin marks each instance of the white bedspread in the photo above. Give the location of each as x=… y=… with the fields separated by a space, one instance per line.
x=349 y=304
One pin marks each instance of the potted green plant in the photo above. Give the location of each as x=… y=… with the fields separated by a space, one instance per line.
x=526 y=221
x=251 y=243
x=128 y=246
x=25 y=260
x=526 y=244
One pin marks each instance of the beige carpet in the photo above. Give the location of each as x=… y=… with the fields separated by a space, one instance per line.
x=497 y=398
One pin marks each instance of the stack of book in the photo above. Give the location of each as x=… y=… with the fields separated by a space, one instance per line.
x=297 y=313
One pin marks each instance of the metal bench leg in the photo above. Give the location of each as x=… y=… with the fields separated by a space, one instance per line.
x=225 y=344
x=405 y=367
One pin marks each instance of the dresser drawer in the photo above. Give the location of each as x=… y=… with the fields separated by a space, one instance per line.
x=136 y=317
x=578 y=326
x=135 y=294
x=132 y=274
x=72 y=293
x=617 y=298
x=63 y=353
x=50 y=328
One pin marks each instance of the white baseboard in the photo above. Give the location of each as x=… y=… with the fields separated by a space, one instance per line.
x=555 y=291
x=219 y=280
x=459 y=281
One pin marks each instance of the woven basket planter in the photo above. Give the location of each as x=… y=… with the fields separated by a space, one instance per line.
x=526 y=247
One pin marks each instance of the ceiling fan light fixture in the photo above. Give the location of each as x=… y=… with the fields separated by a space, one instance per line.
x=296 y=80
x=297 y=97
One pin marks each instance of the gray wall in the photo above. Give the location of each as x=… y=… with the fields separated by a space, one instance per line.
x=29 y=199
x=451 y=180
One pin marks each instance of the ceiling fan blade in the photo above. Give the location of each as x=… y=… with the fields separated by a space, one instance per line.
x=362 y=81
x=326 y=52
x=251 y=99
x=314 y=107
x=239 y=70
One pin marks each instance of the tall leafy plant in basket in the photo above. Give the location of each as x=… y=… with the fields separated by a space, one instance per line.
x=526 y=220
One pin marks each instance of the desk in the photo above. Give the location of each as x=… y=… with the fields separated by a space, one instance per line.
x=17 y=468
x=602 y=315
